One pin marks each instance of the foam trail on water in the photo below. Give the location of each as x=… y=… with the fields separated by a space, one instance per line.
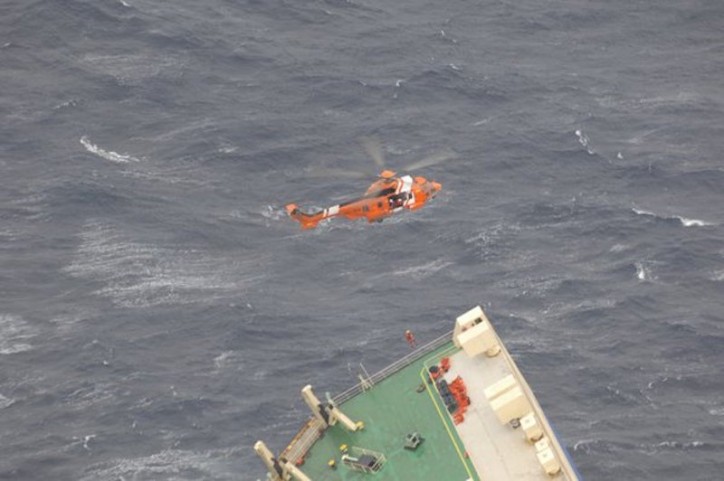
x=168 y=464
x=641 y=272
x=138 y=274
x=14 y=334
x=584 y=141
x=692 y=222
x=686 y=222
x=108 y=155
x=5 y=402
x=422 y=271
x=643 y=212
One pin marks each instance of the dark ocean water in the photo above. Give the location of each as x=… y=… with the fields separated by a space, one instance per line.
x=159 y=313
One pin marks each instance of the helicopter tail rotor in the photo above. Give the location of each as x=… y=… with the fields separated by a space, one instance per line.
x=307 y=221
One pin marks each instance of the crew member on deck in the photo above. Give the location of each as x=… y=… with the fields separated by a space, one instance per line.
x=410 y=338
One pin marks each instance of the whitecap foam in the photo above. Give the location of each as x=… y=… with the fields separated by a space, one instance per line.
x=168 y=464
x=686 y=222
x=642 y=273
x=672 y=99
x=88 y=395
x=136 y=274
x=422 y=271
x=5 y=402
x=584 y=141
x=33 y=206
x=221 y=360
x=584 y=444
x=66 y=104
x=83 y=441
x=68 y=322
x=134 y=68
x=273 y=213
x=14 y=334
x=228 y=359
x=692 y=222
x=643 y=212
x=618 y=248
x=677 y=445
x=106 y=154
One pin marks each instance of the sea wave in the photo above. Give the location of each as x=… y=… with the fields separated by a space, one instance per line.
x=643 y=273
x=138 y=274
x=584 y=141
x=168 y=464
x=686 y=222
x=5 y=402
x=422 y=271
x=106 y=154
x=14 y=334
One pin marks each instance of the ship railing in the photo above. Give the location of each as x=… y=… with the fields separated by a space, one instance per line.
x=313 y=429
x=394 y=367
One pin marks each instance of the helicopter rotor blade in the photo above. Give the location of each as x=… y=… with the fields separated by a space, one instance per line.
x=430 y=160
x=373 y=147
x=325 y=172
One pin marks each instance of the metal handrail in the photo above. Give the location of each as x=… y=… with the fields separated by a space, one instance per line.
x=395 y=367
x=313 y=428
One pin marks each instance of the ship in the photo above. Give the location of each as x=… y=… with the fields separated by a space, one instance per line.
x=455 y=409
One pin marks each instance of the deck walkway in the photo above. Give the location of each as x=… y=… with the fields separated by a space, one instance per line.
x=498 y=451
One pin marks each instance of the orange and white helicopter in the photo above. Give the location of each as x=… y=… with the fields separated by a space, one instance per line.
x=389 y=194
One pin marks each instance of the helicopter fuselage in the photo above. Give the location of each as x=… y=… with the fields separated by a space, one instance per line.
x=386 y=196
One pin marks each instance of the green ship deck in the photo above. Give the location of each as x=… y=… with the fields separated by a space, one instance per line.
x=390 y=410
x=500 y=431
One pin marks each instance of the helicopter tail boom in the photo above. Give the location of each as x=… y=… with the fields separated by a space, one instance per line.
x=307 y=221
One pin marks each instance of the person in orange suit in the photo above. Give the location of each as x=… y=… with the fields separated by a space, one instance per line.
x=410 y=338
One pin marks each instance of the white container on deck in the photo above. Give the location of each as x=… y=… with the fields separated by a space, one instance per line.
x=531 y=427
x=510 y=405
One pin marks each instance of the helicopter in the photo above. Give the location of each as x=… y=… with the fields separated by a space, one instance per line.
x=388 y=195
